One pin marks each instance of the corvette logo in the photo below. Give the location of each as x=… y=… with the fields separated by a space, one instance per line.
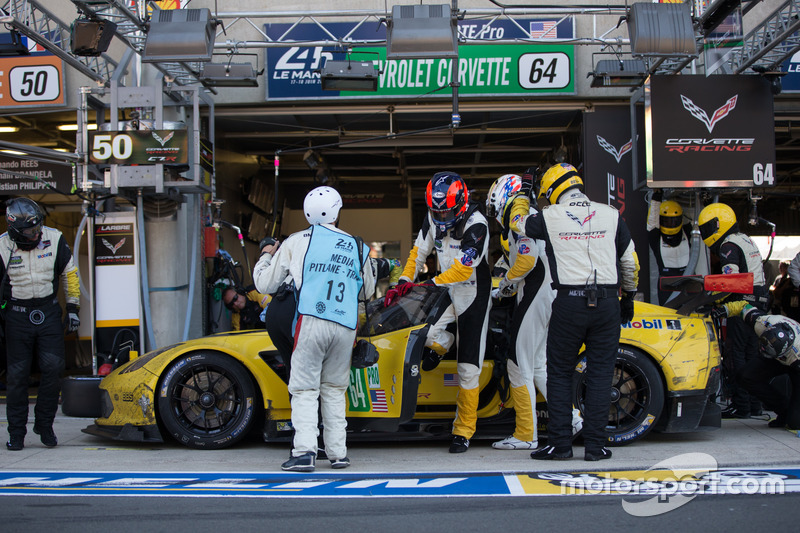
x=113 y=247
x=608 y=147
x=165 y=140
x=585 y=220
x=701 y=115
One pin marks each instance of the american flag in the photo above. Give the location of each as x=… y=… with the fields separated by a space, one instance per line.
x=543 y=28
x=451 y=380
x=379 y=401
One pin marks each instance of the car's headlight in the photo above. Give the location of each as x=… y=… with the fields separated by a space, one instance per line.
x=139 y=362
x=106 y=405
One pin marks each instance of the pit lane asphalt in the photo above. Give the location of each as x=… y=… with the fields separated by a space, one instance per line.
x=747 y=443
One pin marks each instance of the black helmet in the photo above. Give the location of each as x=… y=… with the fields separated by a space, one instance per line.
x=776 y=339
x=25 y=219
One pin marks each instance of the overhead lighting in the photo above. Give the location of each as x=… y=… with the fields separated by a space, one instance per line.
x=229 y=75
x=619 y=73
x=177 y=35
x=8 y=129
x=421 y=31
x=91 y=38
x=349 y=76
x=74 y=127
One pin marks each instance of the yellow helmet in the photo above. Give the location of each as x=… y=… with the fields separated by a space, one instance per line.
x=715 y=220
x=557 y=180
x=671 y=217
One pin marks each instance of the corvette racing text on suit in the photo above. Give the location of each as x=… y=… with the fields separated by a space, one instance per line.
x=589 y=248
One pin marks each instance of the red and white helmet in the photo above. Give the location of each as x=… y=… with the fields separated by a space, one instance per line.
x=447 y=198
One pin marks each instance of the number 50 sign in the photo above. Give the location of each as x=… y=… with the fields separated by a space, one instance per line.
x=29 y=81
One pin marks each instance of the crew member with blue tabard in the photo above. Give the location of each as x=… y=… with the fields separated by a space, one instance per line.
x=330 y=276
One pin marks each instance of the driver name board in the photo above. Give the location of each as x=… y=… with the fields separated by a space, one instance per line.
x=37 y=80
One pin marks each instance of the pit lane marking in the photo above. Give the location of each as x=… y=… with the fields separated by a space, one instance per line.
x=357 y=484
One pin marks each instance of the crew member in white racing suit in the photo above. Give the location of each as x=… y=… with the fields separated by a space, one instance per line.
x=591 y=255
x=459 y=234
x=33 y=260
x=529 y=278
x=330 y=277
x=669 y=239
x=779 y=354
x=737 y=254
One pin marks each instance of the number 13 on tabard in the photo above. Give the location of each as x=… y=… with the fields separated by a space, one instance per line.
x=550 y=70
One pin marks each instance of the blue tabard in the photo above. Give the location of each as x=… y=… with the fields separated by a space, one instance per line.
x=331 y=277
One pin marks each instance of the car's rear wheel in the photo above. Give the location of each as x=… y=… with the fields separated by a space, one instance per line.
x=207 y=401
x=637 y=396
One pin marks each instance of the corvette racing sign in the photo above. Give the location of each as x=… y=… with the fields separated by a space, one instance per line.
x=715 y=131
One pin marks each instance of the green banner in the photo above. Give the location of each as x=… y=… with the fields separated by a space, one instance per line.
x=483 y=70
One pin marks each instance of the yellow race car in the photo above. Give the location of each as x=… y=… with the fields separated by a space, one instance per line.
x=209 y=393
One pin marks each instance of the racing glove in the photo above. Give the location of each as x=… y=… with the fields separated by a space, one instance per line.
x=626 y=307
x=72 y=321
x=394 y=294
x=718 y=312
x=505 y=289
x=527 y=181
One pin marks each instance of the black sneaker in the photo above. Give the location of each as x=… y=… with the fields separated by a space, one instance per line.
x=15 y=442
x=344 y=462
x=603 y=453
x=301 y=463
x=47 y=435
x=459 y=445
x=546 y=453
x=430 y=360
x=778 y=422
x=733 y=412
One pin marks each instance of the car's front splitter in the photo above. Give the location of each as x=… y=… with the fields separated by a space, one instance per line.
x=128 y=432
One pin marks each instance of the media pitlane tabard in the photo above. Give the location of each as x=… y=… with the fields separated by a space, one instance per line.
x=359 y=485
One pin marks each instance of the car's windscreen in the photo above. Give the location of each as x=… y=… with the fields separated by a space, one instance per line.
x=416 y=307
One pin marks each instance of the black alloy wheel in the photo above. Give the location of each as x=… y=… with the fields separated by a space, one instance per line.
x=207 y=401
x=637 y=396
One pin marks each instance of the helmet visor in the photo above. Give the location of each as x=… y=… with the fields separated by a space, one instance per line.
x=31 y=233
x=707 y=229
x=445 y=217
x=670 y=221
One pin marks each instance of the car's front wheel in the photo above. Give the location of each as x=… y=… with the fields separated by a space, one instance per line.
x=637 y=396
x=207 y=401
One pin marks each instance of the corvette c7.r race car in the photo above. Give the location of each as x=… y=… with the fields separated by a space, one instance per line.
x=209 y=393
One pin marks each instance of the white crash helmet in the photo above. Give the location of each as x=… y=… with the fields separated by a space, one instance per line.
x=502 y=190
x=322 y=205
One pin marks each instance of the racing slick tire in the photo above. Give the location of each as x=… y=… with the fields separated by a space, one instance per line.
x=637 y=396
x=207 y=401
